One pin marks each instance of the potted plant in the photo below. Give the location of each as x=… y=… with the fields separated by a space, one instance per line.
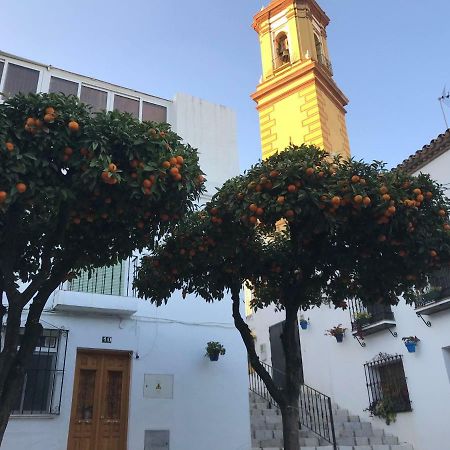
x=303 y=323
x=383 y=408
x=361 y=318
x=337 y=332
x=411 y=343
x=214 y=349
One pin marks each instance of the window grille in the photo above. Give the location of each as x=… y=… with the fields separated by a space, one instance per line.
x=20 y=79
x=44 y=377
x=438 y=288
x=386 y=382
x=66 y=87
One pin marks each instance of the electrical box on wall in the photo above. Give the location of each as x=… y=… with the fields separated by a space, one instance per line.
x=156 y=440
x=158 y=386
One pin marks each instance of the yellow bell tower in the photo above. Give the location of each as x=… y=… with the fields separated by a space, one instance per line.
x=297 y=98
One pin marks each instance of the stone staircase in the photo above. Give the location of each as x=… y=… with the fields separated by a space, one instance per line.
x=351 y=432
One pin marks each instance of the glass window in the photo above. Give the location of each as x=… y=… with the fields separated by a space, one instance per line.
x=67 y=87
x=1 y=70
x=154 y=113
x=20 y=79
x=127 y=105
x=94 y=97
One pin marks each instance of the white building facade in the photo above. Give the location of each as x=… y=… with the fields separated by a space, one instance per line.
x=112 y=371
x=358 y=371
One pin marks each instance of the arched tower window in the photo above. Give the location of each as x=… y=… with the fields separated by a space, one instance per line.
x=282 y=50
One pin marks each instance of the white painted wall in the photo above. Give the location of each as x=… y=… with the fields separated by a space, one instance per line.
x=212 y=129
x=337 y=369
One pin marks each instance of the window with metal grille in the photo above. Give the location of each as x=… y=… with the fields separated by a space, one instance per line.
x=386 y=382
x=60 y=85
x=42 y=387
x=153 y=113
x=20 y=79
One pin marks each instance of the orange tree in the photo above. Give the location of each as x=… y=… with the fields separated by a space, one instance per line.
x=303 y=228
x=77 y=191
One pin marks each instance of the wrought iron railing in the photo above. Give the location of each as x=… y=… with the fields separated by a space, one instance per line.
x=113 y=280
x=325 y=62
x=386 y=383
x=438 y=289
x=363 y=316
x=315 y=408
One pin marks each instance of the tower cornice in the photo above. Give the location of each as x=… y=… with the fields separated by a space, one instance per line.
x=277 y=6
x=280 y=83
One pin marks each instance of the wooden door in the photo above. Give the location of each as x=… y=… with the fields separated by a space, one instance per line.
x=100 y=401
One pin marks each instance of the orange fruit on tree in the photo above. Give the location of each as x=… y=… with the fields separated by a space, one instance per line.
x=391 y=209
x=274 y=173
x=177 y=177
x=417 y=191
x=49 y=110
x=147 y=184
x=30 y=122
x=429 y=195
x=21 y=187
x=386 y=197
x=3 y=196
x=112 y=167
x=253 y=207
x=358 y=198
x=446 y=226
x=292 y=188
x=49 y=118
x=355 y=179
x=383 y=190
x=173 y=160
x=289 y=213
x=165 y=164
x=9 y=146
x=73 y=126
x=174 y=171
x=362 y=181
x=180 y=160
x=420 y=198
x=442 y=213
x=321 y=174
x=309 y=171
x=68 y=151
x=253 y=219
x=259 y=211
x=367 y=201
x=200 y=179
x=281 y=199
x=336 y=200
x=433 y=253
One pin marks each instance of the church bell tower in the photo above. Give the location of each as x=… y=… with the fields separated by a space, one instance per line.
x=297 y=99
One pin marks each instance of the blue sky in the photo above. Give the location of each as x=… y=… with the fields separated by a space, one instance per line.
x=389 y=57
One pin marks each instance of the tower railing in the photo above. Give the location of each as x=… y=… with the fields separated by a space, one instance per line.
x=315 y=408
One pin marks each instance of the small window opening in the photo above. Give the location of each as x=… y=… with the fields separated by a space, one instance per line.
x=282 y=50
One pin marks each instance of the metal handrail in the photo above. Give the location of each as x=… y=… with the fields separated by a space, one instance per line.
x=315 y=408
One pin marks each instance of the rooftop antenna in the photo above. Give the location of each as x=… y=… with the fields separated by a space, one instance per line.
x=444 y=99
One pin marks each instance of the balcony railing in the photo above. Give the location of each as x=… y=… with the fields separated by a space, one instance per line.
x=114 y=280
x=371 y=318
x=436 y=297
x=325 y=62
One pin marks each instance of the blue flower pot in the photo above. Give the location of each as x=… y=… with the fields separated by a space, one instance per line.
x=303 y=324
x=214 y=357
x=339 y=337
x=411 y=346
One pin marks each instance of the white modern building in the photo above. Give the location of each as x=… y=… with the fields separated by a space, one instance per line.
x=113 y=372
x=360 y=371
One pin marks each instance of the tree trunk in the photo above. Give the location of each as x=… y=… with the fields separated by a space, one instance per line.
x=290 y=417
x=290 y=411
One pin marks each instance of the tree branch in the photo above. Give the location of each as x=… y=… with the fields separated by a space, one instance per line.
x=249 y=342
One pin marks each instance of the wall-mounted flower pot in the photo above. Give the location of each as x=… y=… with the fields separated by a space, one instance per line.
x=303 y=324
x=214 y=357
x=339 y=337
x=411 y=346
